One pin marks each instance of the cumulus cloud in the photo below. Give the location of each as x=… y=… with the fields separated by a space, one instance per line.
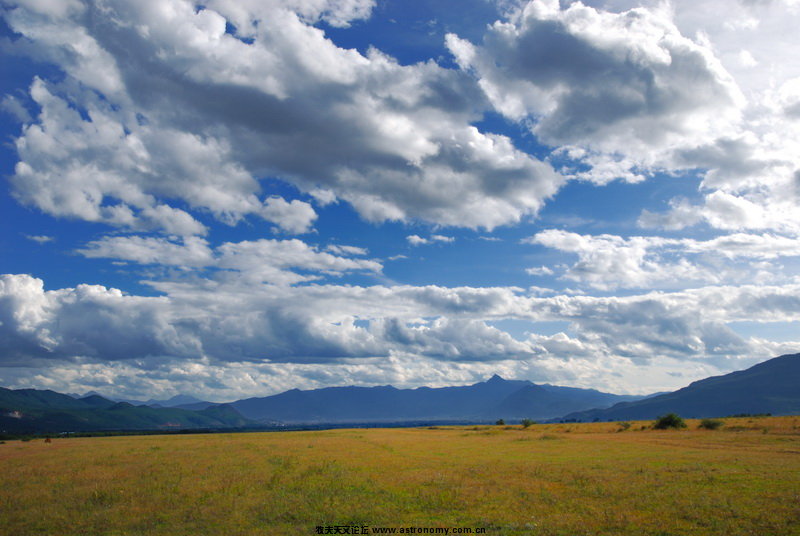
x=750 y=180
x=245 y=14
x=626 y=83
x=540 y=270
x=608 y=262
x=226 y=322
x=269 y=261
x=258 y=261
x=625 y=90
x=416 y=240
x=189 y=252
x=732 y=212
x=181 y=109
x=165 y=114
x=87 y=321
x=294 y=217
x=451 y=339
x=40 y=239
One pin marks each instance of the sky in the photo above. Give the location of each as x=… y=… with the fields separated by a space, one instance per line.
x=233 y=198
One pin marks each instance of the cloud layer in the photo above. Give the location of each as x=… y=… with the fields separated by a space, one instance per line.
x=211 y=143
x=165 y=103
x=227 y=322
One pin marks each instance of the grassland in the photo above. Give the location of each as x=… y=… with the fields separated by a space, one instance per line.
x=565 y=479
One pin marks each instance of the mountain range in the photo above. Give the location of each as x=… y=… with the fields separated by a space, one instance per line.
x=45 y=411
x=489 y=400
x=769 y=387
x=177 y=401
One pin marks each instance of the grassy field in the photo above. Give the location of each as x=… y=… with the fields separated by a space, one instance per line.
x=569 y=479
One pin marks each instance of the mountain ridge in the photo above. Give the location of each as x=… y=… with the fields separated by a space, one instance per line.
x=46 y=411
x=482 y=401
x=772 y=386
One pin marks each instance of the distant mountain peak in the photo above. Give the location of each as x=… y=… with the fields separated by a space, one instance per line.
x=181 y=399
x=496 y=378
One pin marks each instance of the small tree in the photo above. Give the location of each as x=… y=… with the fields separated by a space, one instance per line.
x=527 y=422
x=500 y=422
x=670 y=420
x=711 y=424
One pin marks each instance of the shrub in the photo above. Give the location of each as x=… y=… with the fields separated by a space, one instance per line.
x=623 y=426
x=711 y=424
x=500 y=422
x=670 y=420
x=527 y=422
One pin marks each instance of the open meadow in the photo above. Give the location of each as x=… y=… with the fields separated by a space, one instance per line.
x=569 y=479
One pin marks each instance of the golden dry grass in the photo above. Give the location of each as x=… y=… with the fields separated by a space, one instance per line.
x=569 y=479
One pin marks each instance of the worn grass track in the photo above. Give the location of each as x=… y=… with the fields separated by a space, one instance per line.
x=569 y=479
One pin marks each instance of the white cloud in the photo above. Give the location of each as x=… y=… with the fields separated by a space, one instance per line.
x=680 y=215
x=339 y=249
x=189 y=112
x=246 y=14
x=87 y=321
x=442 y=238
x=220 y=112
x=234 y=322
x=416 y=240
x=164 y=118
x=259 y=261
x=40 y=239
x=269 y=261
x=608 y=262
x=626 y=83
x=294 y=217
x=191 y=251
x=751 y=174
x=624 y=90
x=75 y=168
x=540 y=270
x=12 y=105
x=732 y=212
x=243 y=380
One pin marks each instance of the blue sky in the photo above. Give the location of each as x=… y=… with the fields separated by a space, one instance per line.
x=236 y=198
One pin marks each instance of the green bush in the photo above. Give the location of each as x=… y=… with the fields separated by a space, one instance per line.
x=623 y=426
x=711 y=424
x=500 y=422
x=527 y=422
x=670 y=420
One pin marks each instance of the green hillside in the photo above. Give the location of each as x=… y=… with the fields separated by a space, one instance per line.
x=30 y=410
